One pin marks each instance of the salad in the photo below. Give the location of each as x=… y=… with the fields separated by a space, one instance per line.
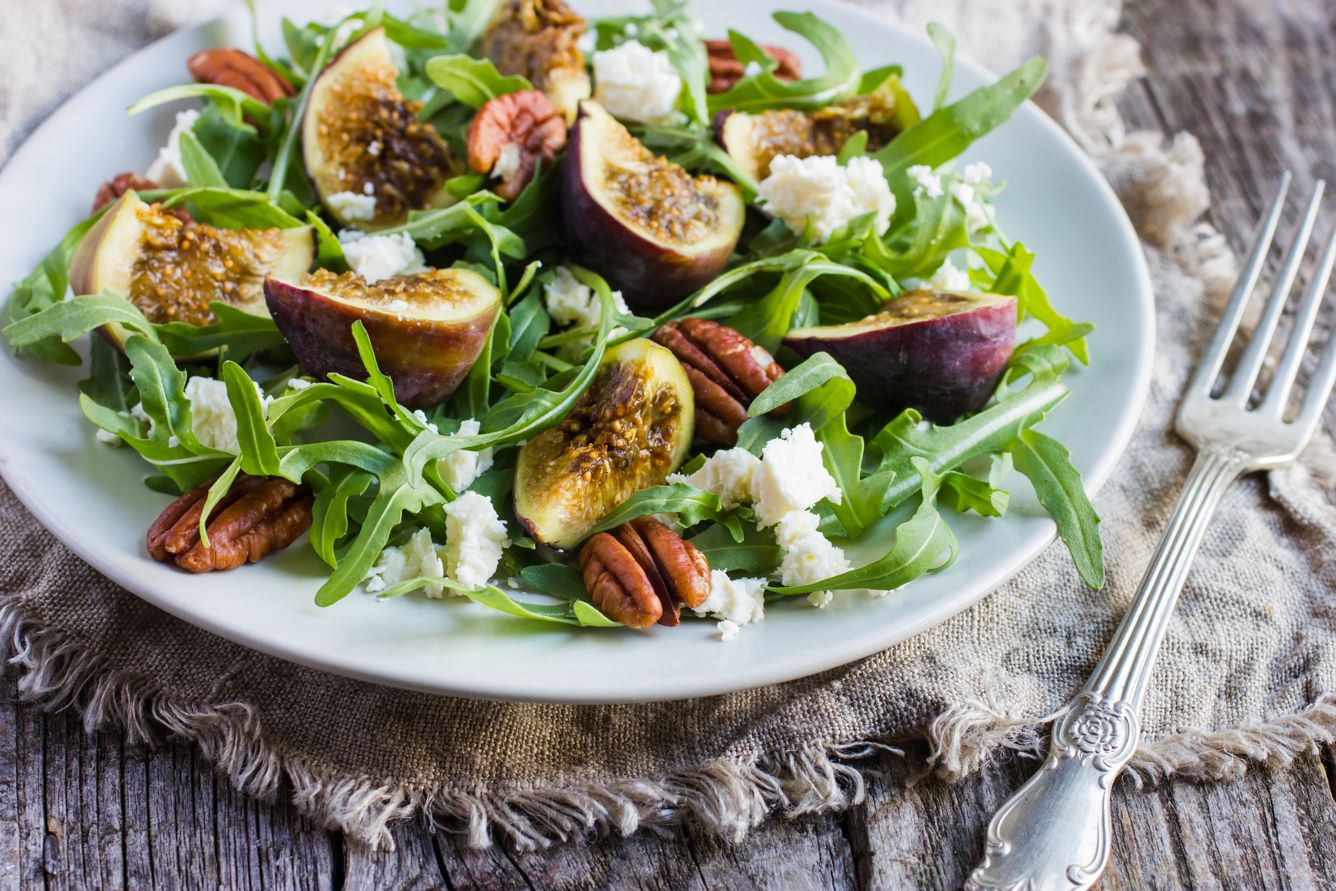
x=602 y=324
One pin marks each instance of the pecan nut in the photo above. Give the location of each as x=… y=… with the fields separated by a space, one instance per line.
x=727 y=371
x=511 y=134
x=258 y=515
x=726 y=69
x=230 y=67
x=643 y=572
x=121 y=183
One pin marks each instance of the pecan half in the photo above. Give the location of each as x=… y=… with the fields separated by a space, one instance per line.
x=257 y=515
x=121 y=183
x=642 y=572
x=511 y=134
x=726 y=70
x=727 y=371
x=230 y=67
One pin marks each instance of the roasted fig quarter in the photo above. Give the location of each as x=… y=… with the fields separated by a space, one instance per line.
x=629 y=430
x=172 y=270
x=940 y=352
x=648 y=226
x=426 y=329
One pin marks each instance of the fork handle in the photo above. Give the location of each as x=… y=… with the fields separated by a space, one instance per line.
x=1054 y=832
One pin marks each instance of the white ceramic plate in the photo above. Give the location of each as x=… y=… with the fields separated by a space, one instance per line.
x=91 y=496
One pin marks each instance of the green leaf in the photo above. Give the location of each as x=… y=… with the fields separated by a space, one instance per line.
x=560 y=580
x=44 y=287
x=329 y=515
x=473 y=81
x=1012 y=275
x=756 y=555
x=945 y=42
x=239 y=333
x=233 y=104
x=467 y=20
x=839 y=80
x=692 y=506
x=259 y=452
x=74 y=318
x=1057 y=483
x=201 y=169
x=963 y=492
x=233 y=208
x=238 y=152
x=108 y=382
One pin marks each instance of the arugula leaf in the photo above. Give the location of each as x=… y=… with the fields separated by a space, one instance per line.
x=234 y=105
x=473 y=81
x=71 y=319
x=229 y=208
x=963 y=492
x=560 y=580
x=1012 y=276
x=108 y=382
x=43 y=288
x=238 y=152
x=466 y=20
x=329 y=515
x=691 y=505
x=756 y=554
x=1057 y=483
x=201 y=170
x=945 y=42
x=240 y=333
x=763 y=90
x=258 y=451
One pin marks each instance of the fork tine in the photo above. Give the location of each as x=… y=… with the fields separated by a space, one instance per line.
x=1214 y=357
x=1319 y=390
x=1288 y=369
x=1245 y=376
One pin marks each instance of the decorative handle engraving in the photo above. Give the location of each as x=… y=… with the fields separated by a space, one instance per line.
x=1054 y=832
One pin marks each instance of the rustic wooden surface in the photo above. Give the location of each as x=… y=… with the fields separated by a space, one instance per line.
x=1255 y=80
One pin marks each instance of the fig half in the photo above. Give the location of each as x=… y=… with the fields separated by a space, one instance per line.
x=369 y=157
x=649 y=227
x=629 y=430
x=172 y=271
x=940 y=352
x=754 y=140
x=426 y=329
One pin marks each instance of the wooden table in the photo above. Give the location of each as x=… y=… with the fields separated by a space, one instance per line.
x=1255 y=80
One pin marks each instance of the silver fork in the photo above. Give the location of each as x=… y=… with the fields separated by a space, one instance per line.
x=1054 y=833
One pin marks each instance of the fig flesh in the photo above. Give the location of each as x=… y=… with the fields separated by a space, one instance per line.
x=940 y=352
x=172 y=270
x=628 y=431
x=539 y=40
x=648 y=226
x=361 y=139
x=754 y=140
x=426 y=329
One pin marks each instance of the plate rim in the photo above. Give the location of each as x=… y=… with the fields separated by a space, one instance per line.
x=747 y=677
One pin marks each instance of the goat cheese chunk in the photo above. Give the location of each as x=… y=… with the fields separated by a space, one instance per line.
x=378 y=257
x=734 y=601
x=571 y=303
x=167 y=169
x=475 y=538
x=211 y=416
x=950 y=277
x=976 y=213
x=926 y=182
x=460 y=469
x=808 y=555
x=791 y=476
x=816 y=190
x=353 y=205
x=727 y=473
x=635 y=83
x=417 y=558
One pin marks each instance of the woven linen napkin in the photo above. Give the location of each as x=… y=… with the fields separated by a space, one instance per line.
x=1245 y=673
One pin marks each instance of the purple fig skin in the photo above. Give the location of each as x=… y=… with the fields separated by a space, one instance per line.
x=945 y=366
x=651 y=276
x=427 y=359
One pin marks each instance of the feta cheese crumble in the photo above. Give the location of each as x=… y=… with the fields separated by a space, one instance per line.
x=791 y=476
x=475 y=538
x=818 y=190
x=352 y=206
x=573 y=304
x=419 y=557
x=460 y=469
x=378 y=257
x=950 y=277
x=735 y=601
x=727 y=473
x=508 y=162
x=808 y=555
x=634 y=83
x=976 y=215
x=976 y=173
x=107 y=438
x=167 y=169
x=926 y=182
x=211 y=416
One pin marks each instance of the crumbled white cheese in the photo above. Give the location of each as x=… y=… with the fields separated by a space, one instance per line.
x=728 y=630
x=107 y=438
x=635 y=83
x=977 y=173
x=167 y=169
x=791 y=476
x=740 y=601
x=727 y=473
x=419 y=557
x=571 y=303
x=298 y=383
x=378 y=257
x=925 y=181
x=818 y=190
x=475 y=538
x=211 y=416
x=976 y=215
x=421 y=417
x=950 y=277
x=173 y=441
x=351 y=206
x=508 y=162
x=808 y=555
x=751 y=69
x=460 y=469
x=820 y=599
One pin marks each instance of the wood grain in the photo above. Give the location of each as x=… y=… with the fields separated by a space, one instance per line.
x=1256 y=82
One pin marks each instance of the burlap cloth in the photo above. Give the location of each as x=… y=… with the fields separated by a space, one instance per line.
x=1244 y=676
